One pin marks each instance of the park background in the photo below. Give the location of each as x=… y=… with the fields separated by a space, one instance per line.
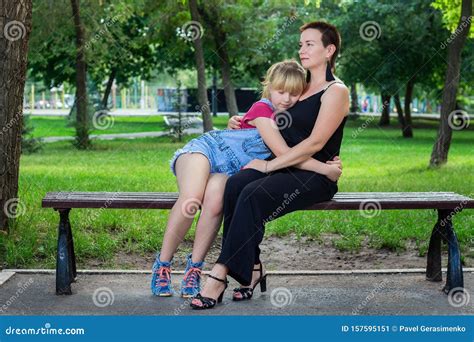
x=134 y=70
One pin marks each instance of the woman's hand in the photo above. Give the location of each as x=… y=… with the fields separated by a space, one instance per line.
x=257 y=164
x=234 y=122
x=334 y=172
x=334 y=169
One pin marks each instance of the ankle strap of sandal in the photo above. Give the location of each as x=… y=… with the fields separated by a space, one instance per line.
x=218 y=279
x=259 y=269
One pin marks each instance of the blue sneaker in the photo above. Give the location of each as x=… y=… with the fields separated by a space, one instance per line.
x=161 y=278
x=191 y=283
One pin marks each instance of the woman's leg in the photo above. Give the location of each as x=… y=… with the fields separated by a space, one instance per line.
x=192 y=173
x=233 y=188
x=211 y=216
x=259 y=202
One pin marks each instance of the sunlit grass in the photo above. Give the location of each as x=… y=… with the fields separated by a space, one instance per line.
x=374 y=160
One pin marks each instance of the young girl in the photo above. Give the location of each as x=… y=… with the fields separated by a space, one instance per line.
x=203 y=165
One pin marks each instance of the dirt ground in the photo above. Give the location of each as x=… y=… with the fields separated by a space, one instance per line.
x=290 y=253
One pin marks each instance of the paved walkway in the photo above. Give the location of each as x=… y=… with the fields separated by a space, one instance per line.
x=123 y=135
x=117 y=112
x=325 y=294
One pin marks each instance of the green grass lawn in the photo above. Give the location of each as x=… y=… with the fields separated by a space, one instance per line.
x=374 y=160
x=56 y=126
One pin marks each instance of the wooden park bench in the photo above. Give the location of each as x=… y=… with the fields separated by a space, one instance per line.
x=187 y=121
x=446 y=203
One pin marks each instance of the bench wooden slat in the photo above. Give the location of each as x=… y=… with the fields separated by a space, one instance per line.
x=342 y=201
x=172 y=194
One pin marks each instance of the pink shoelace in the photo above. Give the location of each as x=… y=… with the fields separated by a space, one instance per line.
x=163 y=276
x=191 y=277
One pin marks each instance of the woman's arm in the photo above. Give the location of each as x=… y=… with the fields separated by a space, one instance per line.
x=273 y=139
x=334 y=107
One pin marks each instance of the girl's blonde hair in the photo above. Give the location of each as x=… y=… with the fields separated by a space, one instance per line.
x=288 y=76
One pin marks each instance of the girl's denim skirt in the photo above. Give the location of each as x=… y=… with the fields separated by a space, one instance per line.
x=227 y=150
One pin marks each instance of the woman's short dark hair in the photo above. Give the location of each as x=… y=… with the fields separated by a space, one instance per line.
x=330 y=35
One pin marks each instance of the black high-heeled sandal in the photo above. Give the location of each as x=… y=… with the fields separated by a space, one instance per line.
x=207 y=302
x=247 y=292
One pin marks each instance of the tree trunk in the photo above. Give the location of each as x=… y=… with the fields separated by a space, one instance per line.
x=201 y=72
x=406 y=130
x=229 y=91
x=211 y=16
x=15 y=26
x=408 y=100
x=82 y=120
x=439 y=155
x=385 y=118
x=354 y=99
x=108 y=88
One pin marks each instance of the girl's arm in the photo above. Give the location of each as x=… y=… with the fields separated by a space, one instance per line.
x=234 y=122
x=334 y=107
x=273 y=139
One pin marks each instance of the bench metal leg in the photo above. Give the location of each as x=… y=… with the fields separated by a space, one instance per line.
x=433 y=267
x=454 y=276
x=65 y=254
x=70 y=245
x=443 y=230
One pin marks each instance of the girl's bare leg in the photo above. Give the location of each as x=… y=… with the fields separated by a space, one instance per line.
x=192 y=173
x=211 y=216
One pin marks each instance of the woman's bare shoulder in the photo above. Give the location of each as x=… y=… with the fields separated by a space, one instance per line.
x=337 y=89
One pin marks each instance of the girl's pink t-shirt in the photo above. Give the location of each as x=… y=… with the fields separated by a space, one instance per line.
x=260 y=109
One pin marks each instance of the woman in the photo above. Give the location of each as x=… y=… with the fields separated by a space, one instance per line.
x=256 y=195
x=202 y=166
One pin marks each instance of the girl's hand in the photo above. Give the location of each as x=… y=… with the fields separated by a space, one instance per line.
x=336 y=161
x=257 y=164
x=234 y=122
